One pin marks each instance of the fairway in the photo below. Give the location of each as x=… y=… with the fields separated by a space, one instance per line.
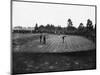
x=54 y=43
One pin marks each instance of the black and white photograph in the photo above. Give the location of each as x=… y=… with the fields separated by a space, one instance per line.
x=52 y=37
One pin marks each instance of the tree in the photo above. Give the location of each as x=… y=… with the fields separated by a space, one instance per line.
x=81 y=27
x=70 y=24
x=41 y=28
x=36 y=27
x=89 y=25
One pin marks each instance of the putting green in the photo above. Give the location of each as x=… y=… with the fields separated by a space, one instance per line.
x=54 y=43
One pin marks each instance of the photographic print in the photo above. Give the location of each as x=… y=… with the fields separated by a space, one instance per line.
x=52 y=37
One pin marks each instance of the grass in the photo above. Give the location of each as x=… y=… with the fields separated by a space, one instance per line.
x=30 y=62
x=27 y=62
x=21 y=39
x=54 y=44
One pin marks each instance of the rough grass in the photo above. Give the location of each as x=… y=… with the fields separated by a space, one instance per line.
x=21 y=39
x=27 y=62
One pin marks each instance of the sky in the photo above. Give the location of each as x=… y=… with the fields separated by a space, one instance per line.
x=27 y=14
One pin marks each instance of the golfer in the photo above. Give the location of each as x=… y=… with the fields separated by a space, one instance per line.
x=40 y=38
x=63 y=38
x=44 y=39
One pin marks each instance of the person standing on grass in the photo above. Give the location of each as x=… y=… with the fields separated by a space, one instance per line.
x=40 y=38
x=63 y=38
x=44 y=39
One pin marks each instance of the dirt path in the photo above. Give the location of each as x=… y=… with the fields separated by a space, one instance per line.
x=55 y=44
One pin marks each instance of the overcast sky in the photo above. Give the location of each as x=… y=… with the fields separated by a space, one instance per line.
x=28 y=14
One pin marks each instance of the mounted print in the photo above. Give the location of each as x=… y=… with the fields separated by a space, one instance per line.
x=52 y=37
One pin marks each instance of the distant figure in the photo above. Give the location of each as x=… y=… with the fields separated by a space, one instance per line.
x=63 y=38
x=44 y=39
x=40 y=38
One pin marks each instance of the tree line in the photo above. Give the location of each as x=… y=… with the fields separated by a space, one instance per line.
x=69 y=29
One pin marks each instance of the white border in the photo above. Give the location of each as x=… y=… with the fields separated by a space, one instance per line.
x=5 y=37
